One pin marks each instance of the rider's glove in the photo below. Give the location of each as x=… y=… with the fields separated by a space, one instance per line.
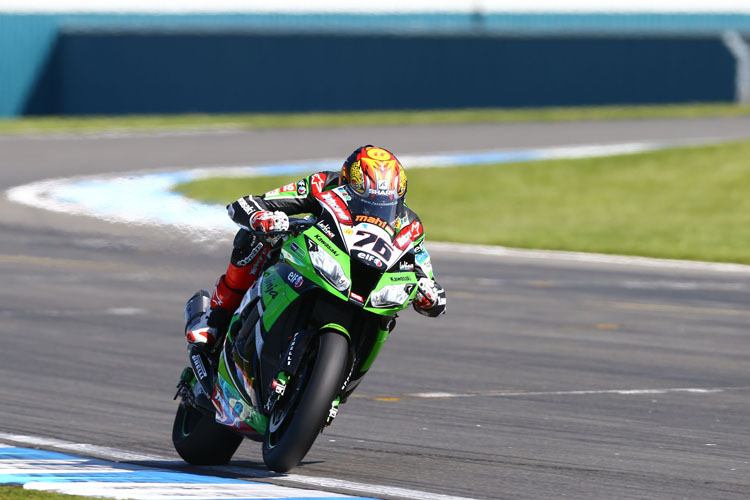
x=430 y=299
x=269 y=221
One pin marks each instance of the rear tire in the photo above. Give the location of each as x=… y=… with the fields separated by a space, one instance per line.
x=199 y=440
x=308 y=411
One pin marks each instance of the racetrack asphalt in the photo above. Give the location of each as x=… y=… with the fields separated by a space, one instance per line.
x=538 y=376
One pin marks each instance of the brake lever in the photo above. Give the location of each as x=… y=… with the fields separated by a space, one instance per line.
x=297 y=227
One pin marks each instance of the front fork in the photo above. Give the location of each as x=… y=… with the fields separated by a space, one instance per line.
x=290 y=364
x=333 y=411
x=276 y=391
x=190 y=395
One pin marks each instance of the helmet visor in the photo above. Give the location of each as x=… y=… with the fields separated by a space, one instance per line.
x=379 y=206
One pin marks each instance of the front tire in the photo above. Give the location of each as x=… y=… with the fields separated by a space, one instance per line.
x=199 y=440
x=296 y=422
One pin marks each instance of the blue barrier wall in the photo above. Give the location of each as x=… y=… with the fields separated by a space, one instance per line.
x=113 y=73
x=102 y=64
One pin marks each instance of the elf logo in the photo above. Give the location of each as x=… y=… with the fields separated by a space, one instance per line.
x=295 y=279
x=370 y=258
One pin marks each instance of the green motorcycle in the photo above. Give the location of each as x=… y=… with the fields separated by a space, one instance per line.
x=303 y=337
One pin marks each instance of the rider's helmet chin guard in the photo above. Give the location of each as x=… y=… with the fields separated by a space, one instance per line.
x=376 y=181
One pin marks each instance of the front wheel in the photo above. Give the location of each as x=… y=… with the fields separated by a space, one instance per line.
x=298 y=417
x=200 y=440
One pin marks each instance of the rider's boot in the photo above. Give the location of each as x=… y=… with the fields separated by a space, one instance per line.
x=206 y=330
x=247 y=262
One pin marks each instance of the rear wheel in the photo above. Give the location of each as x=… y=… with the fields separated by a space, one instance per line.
x=300 y=415
x=199 y=440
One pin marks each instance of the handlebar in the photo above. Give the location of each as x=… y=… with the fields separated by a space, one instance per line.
x=297 y=225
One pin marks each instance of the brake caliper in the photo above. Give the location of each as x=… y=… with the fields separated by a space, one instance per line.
x=277 y=389
x=333 y=411
x=186 y=383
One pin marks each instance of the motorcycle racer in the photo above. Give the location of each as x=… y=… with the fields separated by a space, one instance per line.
x=368 y=171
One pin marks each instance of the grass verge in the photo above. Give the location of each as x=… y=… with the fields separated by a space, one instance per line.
x=18 y=493
x=349 y=119
x=689 y=203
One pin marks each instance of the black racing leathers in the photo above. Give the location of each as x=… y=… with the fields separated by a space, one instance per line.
x=299 y=198
x=294 y=198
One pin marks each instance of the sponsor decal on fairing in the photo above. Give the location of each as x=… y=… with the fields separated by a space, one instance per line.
x=296 y=250
x=405 y=266
x=269 y=289
x=336 y=206
x=371 y=220
x=370 y=258
x=295 y=279
x=326 y=229
x=400 y=278
x=324 y=243
x=409 y=234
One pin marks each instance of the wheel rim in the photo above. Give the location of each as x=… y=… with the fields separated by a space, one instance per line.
x=277 y=421
x=189 y=421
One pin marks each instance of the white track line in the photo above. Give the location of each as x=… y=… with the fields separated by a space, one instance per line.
x=590 y=258
x=623 y=392
x=317 y=482
x=338 y=484
x=109 y=197
x=87 y=449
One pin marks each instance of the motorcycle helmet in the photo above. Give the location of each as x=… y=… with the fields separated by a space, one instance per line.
x=373 y=172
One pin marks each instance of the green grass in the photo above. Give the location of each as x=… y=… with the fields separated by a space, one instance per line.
x=18 y=493
x=687 y=203
x=348 y=119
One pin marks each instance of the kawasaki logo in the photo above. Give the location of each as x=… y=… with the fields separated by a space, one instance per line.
x=323 y=242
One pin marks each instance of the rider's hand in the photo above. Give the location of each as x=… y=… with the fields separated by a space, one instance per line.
x=269 y=221
x=430 y=299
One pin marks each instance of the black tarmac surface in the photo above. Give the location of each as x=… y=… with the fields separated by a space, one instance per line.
x=539 y=372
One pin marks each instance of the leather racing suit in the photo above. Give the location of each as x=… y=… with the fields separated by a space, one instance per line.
x=250 y=256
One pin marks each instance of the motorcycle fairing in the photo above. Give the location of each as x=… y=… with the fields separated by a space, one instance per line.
x=363 y=251
x=282 y=284
x=232 y=408
x=292 y=296
x=367 y=238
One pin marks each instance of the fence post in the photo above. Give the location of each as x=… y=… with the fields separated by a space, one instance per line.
x=740 y=49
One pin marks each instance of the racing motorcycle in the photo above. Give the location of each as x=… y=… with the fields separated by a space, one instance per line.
x=303 y=336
